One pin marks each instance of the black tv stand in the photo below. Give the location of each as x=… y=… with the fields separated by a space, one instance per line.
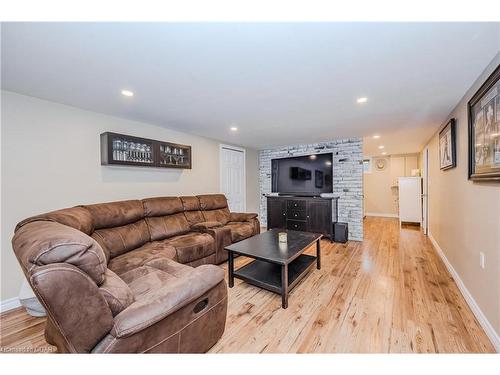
x=308 y=214
x=298 y=195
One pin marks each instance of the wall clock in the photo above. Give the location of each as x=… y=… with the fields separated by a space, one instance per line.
x=380 y=164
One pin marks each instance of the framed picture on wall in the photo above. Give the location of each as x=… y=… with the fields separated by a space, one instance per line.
x=484 y=130
x=448 y=146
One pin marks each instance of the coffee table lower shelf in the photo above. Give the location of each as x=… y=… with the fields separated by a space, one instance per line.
x=271 y=276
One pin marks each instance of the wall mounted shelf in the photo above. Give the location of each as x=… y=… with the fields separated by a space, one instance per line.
x=121 y=149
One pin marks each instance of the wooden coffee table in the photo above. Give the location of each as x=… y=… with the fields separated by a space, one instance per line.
x=277 y=267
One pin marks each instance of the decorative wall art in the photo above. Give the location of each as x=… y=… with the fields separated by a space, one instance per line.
x=447 y=146
x=484 y=130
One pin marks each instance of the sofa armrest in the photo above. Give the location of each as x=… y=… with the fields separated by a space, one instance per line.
x=222 y=238
x=241 y=216
x=166 y=300
x=206 y=225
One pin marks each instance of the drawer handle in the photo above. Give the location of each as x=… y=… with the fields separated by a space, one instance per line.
x=200 y=306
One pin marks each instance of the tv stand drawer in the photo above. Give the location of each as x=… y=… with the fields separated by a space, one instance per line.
x=296 y=225
x=296 y=215
x=295 y=204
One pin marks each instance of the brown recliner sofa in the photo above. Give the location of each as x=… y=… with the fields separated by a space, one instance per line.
x=133 y=276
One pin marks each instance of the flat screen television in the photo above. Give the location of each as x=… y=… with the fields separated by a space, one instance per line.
x=308 y=175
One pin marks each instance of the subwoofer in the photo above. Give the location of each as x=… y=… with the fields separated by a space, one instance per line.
x=340 y=232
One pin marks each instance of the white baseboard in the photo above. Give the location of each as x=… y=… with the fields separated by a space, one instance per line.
x=483 y=321
x=380 y=214
x=9 y=304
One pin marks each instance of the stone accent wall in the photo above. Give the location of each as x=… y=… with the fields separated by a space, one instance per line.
x=347 y=177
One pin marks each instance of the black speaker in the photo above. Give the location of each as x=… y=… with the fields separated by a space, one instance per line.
x=340 y=232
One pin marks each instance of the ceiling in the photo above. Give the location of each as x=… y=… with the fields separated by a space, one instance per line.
x=278 y=83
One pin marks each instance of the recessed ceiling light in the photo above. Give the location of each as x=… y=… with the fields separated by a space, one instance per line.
x=376 y=136
x=363 y=99
x=313 y=157
x=233 y=128
x=384 y=153
x=381 y=147
x=328 y=162
x=127 y=93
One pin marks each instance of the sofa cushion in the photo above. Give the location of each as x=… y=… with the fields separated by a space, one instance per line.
x=221 y=215
x=153 y=275
x=240 y=231
x=165 y=217
x=192 y=246
x=167 y=226
x=192 y=210
x=116 y=292
x=121 y=239
x=145 y=279
x=190 y=203
x=242 y=216
x=206 y=225
x=115 y=214
x=143 y=254
x=169 y=266
x=162 y=206
x=214 y=208
x=202 y=261
x=212 y=201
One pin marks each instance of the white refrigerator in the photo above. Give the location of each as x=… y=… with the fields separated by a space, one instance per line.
x=410 y=200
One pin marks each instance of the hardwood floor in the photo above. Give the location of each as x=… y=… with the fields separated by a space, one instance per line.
x=388 y=294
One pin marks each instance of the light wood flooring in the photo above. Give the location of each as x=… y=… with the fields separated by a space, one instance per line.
x=390 y=293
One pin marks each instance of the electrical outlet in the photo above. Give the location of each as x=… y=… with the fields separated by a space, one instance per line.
x=481 y=260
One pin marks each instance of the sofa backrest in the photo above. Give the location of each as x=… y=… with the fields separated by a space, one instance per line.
x=214 y=207
x=75 y=217
x=165 y=217
x=119 y=226
x=192 y=210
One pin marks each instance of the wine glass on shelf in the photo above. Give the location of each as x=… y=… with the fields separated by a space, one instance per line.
x=143 y=153
x=137 y=152
x=168 y=155
x=125 y=151
x=181 y=153
x=132 y=151
x=116 y=148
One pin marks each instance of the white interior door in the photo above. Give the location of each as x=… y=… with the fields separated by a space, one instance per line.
x=425 y=191
x=232 y=177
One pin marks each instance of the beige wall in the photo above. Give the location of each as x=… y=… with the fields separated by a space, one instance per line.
x=464 y=216
x=50 y=160
x=381 y=197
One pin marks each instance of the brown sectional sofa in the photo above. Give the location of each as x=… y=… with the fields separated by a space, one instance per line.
x=133 y=276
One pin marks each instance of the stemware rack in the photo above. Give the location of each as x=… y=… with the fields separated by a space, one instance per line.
x=121 y=149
